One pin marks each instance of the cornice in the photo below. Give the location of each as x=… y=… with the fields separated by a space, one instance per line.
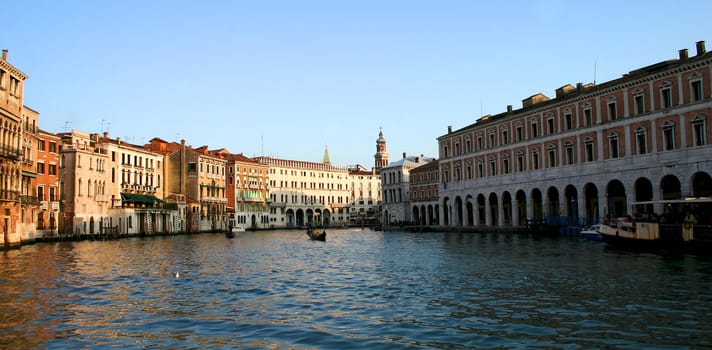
x=13 y=71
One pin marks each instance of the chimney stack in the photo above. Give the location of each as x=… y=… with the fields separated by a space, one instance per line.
x=683 y=54
x=509 y=108
x=4 y=54
x=449 y=129
x=403 y=155
x=700 y=48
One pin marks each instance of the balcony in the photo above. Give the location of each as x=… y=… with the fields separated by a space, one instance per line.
x=30 y=200
x=12 y=153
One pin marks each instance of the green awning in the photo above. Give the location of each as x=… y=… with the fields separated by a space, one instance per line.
x=139 y=198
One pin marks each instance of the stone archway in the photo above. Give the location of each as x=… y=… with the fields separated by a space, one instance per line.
x=521 y=198
x=701 y=185
x=494 y=209
x=643 y=193
x=617 y=202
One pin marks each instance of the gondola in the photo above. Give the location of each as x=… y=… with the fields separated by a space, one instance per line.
x=316 y=236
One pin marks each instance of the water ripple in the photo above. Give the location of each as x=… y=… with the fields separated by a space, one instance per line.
x=360 y=289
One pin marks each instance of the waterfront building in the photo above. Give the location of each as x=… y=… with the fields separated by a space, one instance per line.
x=12 y=86
x=84 y=199
x=395 y=182
x=593 y=150
x=48 y=183
x=306 y=193
x=247 y=191
x=30 y=168
x=195 y=179
x=365 y=195
x=424 y=200
x=136 y=191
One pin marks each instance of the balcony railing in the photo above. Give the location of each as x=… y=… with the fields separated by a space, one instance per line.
x=29 y=200
x=12 y=153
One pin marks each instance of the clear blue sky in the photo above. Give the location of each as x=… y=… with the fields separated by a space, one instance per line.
x=284 y=78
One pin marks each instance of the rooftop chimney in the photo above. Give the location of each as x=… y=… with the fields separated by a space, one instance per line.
x=4 y=54
x=509 y=108
x=403 y=155
x=683 y=54
x=700 y=49
x=449 y=129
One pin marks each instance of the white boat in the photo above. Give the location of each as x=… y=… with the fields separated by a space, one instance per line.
x=591 y=233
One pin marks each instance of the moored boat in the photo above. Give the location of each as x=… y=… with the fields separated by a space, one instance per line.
x=592 y=234
x=686 y=233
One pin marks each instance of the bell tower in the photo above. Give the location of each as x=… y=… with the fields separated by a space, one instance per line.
x=381 y=156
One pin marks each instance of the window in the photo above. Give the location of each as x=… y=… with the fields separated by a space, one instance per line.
x=552 y=156
x=699 y=131
x=612 y=111
x=696 y=90
x=569 y=153
x=53 y=169
x=520 y=137
x=491 y=140
x=588 y=117
x=550 y=125
x=520 y=162
x=468 y=146
x=505 y=165
x=445 y=152
x=505 y=137
x=639 y=104
x=53 y=147
x=40 y=168
x=641 y=141
x=480 y=169
x=613 y=145
x=493 y=166
x=535 y=160
x=40 y=193
x=41 y=145
x=535 y=130
x=589 y=149
x=568 y=119
x=479 y=143
x=666 y=96
x=469 y=172
x=668 y=136
x=457 y=149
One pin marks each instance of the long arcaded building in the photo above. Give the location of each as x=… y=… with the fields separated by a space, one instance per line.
x=594 y=150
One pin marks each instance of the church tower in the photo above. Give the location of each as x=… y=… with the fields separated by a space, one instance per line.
x=381 y=156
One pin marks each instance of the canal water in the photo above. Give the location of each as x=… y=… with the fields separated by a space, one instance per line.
x=359 y=289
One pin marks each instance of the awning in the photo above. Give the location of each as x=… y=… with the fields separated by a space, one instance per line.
x=139 y=198
x=29 y=174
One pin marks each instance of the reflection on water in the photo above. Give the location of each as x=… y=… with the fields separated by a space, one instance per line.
x=360 y=289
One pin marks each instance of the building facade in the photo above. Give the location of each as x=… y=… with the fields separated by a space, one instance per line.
x=424 y=200
x=48 y=183
x=30 y=168
x=247 y=191
x=365 y=196
x=84 y=196
x=395 y=183
x=592 y=151
x=195 y=181
x=12 y=85
x=306 y=193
